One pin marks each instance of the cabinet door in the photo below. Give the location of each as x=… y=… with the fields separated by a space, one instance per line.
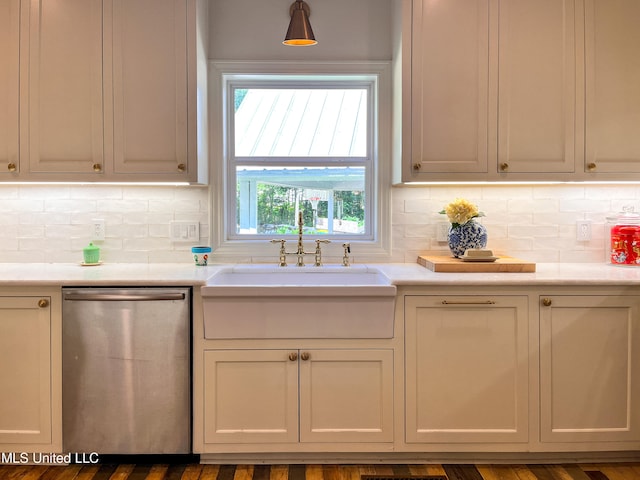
x=61 y=93
x=538 y=129
x=250 y=396
x=590 y=369
x=466 y=369
x=149 y=105
x=25 y=372
x=449 y=88
x=612 y=86
x=9 y=85
x=346 y=396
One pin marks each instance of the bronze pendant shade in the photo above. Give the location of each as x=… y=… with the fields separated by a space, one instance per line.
x=299 y=32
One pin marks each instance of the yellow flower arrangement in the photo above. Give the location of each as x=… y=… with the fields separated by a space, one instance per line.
x=460 y=211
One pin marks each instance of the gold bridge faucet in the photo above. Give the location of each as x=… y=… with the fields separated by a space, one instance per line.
x=299 y=253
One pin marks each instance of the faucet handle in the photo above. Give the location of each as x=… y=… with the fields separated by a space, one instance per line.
x=318 y=253
x=281 y=242
x=282 y=261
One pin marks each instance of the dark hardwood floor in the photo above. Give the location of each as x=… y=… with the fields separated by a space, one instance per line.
x=192 y=471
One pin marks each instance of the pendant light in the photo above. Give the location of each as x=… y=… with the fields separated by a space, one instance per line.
x=299 y=32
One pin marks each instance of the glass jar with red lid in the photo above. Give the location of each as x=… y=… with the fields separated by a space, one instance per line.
x=624 y=238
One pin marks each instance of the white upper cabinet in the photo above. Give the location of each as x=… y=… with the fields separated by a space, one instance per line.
x=61 y=104
x=612 y=87
x=521 y=90
x=9 y=86
x=446 y=118
x=539 y=113
x=150 y=74
x=107 y=90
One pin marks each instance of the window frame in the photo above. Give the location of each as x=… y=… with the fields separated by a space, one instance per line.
x=224 y=76
x=301 y=82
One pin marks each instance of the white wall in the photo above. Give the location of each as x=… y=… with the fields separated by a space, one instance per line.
x=345 y=30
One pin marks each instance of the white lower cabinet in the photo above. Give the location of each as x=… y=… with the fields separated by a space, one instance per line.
x=346 y=396
x=250 y=396
x=509 y=369
x=30 y=366
x=466 y=369
x=269 y=396
x=590 y=370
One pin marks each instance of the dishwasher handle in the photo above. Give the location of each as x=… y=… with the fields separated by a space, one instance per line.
x=122 y=297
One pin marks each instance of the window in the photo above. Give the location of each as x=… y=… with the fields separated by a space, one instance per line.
x=296 y=142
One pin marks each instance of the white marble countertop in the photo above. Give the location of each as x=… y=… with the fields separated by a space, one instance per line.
x=129 y=274
x=142 y=274
x=545 y=274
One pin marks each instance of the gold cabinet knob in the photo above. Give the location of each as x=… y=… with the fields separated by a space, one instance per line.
x=591 y=166
x=182 y=167
x=546 y=302
x=12 y=167
x=417 y=166
x=43 y=303
x=97 y=167
x=305 y=356
x=504 y=167
x=293 y=356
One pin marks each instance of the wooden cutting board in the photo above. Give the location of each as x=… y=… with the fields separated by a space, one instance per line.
x=450 y=264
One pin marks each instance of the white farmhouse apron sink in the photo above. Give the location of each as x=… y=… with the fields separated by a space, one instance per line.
x=265 y=301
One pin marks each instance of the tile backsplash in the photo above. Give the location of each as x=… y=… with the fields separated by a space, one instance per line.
x=532 y=222
x=52 y=223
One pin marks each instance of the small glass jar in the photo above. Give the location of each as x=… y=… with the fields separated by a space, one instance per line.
x=623 y=239
x=91 y=254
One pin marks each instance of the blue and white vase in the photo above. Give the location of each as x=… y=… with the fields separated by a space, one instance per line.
x=466 y=236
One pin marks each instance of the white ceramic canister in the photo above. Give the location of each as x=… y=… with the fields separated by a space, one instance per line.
x=201 y=255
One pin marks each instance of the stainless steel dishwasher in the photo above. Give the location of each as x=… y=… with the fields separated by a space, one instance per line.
x=126 y=370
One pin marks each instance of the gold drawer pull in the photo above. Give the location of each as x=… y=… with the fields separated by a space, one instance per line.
x=591 y=166
x=504 y=167
x=546 y=302
x=305 y=356
x=293 y=356
x=469 y=302
x=417 y=166
x=97 y=167
x=43 y=303
x=12 y=167
x=182 y=167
